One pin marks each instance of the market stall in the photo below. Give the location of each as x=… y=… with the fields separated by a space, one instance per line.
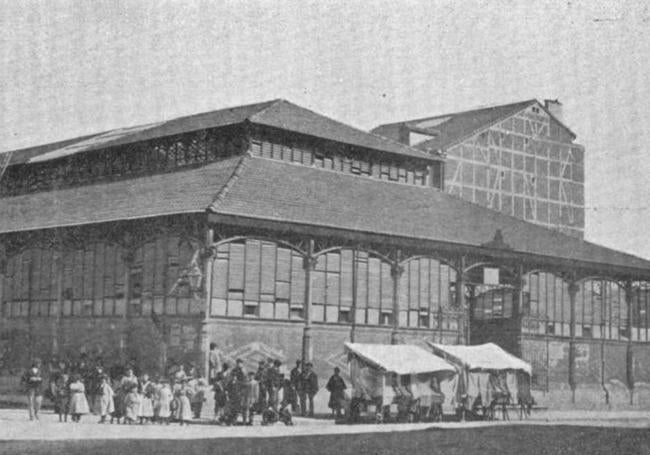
x=488 y=377
x=396 y=382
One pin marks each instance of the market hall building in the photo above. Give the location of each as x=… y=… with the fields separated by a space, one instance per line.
x=277 y=232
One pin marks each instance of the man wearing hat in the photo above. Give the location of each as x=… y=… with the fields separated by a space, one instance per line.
x=260 y=377
x=308 y=388
x=274 y=383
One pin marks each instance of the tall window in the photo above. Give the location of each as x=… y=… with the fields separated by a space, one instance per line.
x=601 y=311
x=257 y=279
x=427 y=291
x=337 y=274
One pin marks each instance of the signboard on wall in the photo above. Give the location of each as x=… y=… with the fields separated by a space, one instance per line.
x=491 y=275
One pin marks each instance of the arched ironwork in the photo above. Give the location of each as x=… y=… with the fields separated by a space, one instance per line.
x=244 y=238
x=371 y=252
x=441 y=260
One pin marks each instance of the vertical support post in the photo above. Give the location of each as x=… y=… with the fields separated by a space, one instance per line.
x=309 y=263
x=602 y=371
x=30 y=306
x=629 y=357
x=3 y=273
x=573 y=291
x=353 y=327
x=207 y=299
x=518 y=308
x=128 y=259
x=58 y=261
x=471 y=306
x=460 y=296
x=396 y=274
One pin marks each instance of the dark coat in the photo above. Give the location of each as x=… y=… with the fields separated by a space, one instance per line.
x=336 y=387
x=309 y=383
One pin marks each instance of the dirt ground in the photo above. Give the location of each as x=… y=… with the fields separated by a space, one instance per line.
x=546 y=433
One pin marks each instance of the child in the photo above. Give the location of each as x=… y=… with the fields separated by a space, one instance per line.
x=61 y=393
x=145 y=413
x=163 y=402
x=131 y=405
x=78 y=401
x=118 y=402
x=155 y=392
x=198 y=398
x=106 y=397
x=250 y=398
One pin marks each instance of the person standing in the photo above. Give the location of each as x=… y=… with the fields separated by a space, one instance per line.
x=78 y=401
x=274 y=384
x=309 y=388
x=198 y=397
x=296 y=383
x=61 y=394
x=336 y=387
x=146 y=391
x=93 y=384
x=250 y=398
x=289 y=397
x=220 y=394
x=106 y=395
x=234 y=391
x=163 y=402
x=184 y=412
x=260 y=377
x=32 y=382
x=214 y=363
x=131 y=404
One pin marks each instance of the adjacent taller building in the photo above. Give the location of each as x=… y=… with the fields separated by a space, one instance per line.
x=519 y=159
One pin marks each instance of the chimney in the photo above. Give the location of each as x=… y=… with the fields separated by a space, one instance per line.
x=554 y=107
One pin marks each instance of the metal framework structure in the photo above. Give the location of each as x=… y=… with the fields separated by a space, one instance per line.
x=518 y=168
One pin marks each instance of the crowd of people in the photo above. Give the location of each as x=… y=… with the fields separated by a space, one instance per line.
x=124 y=394
x=267 y=391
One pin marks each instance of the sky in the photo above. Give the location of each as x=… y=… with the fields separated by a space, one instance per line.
x=69 y=68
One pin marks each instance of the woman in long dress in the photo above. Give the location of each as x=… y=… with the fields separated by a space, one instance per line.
x=184 y=413
x=106 y=397
x=78 y=401
x=145 y=413
x=336 y=387
x=163 y=402
x=131 y=405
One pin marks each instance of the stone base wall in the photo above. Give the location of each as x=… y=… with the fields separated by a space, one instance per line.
x=601 y=374
x=149 y=343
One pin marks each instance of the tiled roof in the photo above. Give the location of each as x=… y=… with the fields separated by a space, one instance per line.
x=274 y=190
x=454 y=127
x=165 y=194
x=277 y=113
x=121 y=136
x=263 y=189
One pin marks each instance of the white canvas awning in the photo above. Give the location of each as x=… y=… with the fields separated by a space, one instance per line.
x=487 y=356
x=399 y=358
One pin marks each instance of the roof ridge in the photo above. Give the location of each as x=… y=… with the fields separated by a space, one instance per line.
x=358 y=130
x=267 y=104
x=234 y=176
x=487 y=125
x=270 y=104
x=465 y=111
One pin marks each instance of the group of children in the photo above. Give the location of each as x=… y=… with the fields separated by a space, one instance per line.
x=129 y=399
